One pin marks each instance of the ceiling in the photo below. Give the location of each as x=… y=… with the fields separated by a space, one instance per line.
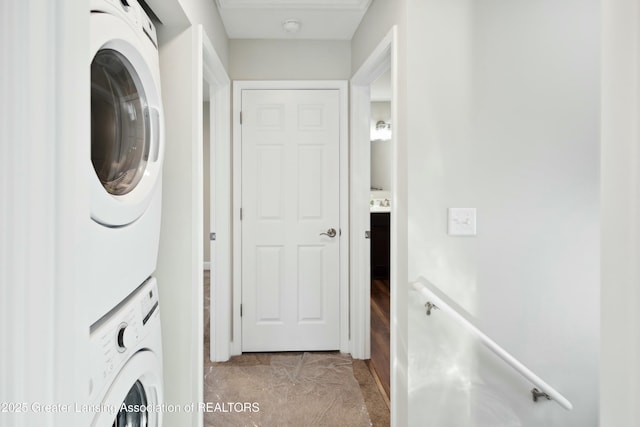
x=319 y=19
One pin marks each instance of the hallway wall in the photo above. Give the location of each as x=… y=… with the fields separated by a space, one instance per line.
x=504 y=117
x=180 y=257
x=376 y=23
x=289 y=59
x=178 y=14
x=179 y=270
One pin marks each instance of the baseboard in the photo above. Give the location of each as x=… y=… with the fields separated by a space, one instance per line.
x=381 y=388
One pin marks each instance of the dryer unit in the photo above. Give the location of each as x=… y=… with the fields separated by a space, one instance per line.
x=126 y=363
x=127 y=148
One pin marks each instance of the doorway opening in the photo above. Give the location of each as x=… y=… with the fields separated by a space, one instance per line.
x=380 y=224
x=206 y=220
x=217 y=230
x=374 y=259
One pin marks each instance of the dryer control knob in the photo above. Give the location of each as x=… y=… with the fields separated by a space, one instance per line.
x=126 y=337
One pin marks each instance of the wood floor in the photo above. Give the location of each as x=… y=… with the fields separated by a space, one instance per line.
x=380 y=332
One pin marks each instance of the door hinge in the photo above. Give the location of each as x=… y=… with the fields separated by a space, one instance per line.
x=212 y=236
x=240 y=310
x=367 y=234
x=240 y=214
x=240 y=117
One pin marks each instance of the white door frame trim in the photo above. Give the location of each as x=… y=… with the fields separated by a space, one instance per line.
x=215 y=75
x=383 y=58
x=341 y=86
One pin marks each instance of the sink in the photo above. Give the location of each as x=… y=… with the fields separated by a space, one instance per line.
x=380 y=201
x=380 y=209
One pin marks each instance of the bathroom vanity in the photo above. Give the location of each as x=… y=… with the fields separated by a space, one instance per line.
x=380 y=245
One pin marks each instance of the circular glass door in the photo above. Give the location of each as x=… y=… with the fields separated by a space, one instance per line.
x=136 y=401
x=119 y=123
x=134 y=397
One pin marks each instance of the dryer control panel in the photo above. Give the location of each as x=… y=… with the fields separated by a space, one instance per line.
x=132 y=12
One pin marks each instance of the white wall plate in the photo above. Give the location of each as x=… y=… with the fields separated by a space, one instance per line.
x=462 y=222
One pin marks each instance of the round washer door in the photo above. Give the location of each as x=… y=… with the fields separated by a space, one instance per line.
x=135 y=396
x=126 y=122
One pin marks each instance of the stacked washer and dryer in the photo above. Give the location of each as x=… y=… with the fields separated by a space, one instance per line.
x=127 y=148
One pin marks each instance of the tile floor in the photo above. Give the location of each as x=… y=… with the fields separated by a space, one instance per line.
x=290 y=389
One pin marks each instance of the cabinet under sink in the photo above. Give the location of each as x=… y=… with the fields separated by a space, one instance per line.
x=380 y=245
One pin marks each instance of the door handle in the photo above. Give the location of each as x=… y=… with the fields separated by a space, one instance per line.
x=154 y=117
x=330 y=232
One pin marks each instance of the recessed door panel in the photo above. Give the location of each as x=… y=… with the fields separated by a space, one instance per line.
x=310 y=284
x=269 y=181
x=270 y=117
x=311 y=117
x=310 y=184
x=269 y=269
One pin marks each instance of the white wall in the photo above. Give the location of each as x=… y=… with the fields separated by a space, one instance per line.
x=206 y=12
x=620 y=163
x=504 y=117
x=180 y=258
x=439 y=167
x=289 y=60
x=381 y=155
x=376 y=23
x=182 y=13
x=540 y=105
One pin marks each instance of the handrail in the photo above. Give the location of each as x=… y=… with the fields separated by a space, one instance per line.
x=437 y=299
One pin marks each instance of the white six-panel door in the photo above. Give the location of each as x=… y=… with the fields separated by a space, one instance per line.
x=290 y=197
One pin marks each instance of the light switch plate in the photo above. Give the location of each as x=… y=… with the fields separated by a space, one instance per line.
x=462 y=222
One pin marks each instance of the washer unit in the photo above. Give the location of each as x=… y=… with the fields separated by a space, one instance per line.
x=126 y=376
x=127 y=149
